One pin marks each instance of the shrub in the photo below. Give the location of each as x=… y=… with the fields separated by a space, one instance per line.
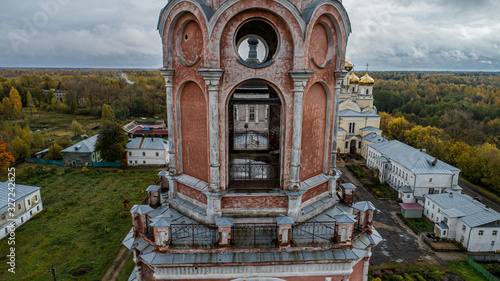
x=84 y=170
x=418 y=277
x=376 y=273
x=408 y=277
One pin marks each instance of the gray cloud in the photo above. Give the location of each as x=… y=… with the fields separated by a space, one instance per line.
x=387 y=34
x=425 y=35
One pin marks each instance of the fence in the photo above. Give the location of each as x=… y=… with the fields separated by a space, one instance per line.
x=254 y=175
x=254 y=235
x=106 y=164
x=481 y=269
x=44 y=161
x=315 y=233
x=185 y=236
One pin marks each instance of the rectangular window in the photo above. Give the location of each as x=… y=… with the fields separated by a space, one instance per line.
x=346 y=144
x=462 y=239
x=144 y=154
x=492 y=243
x=157 y=154
x=130 y=161
x=430 y=179
x=445 y=220
x=494 y=232
x=22 y=220
x=427 y=212
x=408 y=196
x=432 y=216
x=36 y=197
x=29 y=202
x=433 y=206
x=130 y=153
x=251 y=116
x=31 y=213
x=19 y=206
x=38 y=208
x=481 y=232
x=464 y=228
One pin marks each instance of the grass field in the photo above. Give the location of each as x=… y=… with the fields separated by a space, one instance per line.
x=82 y=224
x=56 y=124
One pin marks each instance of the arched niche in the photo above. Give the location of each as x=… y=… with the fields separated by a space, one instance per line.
x=314 y=138
x=193 y=127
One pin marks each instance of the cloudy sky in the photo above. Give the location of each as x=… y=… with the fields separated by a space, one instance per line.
x=387 y=34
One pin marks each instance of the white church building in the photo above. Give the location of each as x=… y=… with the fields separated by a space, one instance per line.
x=358 y=119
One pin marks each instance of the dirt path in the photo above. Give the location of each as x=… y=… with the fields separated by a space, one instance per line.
x=115 y=270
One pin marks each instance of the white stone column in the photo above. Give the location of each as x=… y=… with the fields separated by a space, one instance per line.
x=366 y=264
x=212 y=80
x=168 y=75
x=332 y=182
x=339 y=75
x=300 y=78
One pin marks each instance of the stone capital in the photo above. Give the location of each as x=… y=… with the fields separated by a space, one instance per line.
x=340 y=74
x=300 y=78
x=168 y=75
x=211 y=76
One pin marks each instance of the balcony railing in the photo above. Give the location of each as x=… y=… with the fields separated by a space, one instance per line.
x=251 y=235
x=194 y=236
x=254 y=176
x=254 y=235
x=313 y=234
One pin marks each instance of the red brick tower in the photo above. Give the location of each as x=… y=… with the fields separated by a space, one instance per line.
x=252 y=90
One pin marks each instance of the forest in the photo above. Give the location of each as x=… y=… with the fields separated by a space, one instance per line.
x=454 y=116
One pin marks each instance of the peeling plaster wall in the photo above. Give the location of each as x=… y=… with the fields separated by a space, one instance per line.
x=315 y=191
x=194 y=125
x=192 y=193
x=313 y=132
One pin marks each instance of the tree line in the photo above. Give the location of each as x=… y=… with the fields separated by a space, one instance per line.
x=129 y=93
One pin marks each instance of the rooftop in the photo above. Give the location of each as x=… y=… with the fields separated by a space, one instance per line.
x=470 y=211
x=20 y=190
x=84 y=146
x=412 y=159
x=352 y=113
x=147 y=143
x=374 y=138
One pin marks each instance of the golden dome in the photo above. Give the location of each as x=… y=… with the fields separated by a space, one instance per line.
x=348 y=65
x=366 y=80
x=353 y=79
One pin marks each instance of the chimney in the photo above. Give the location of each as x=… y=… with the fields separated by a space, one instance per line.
x=451 y=194
x=435 y=160
x=486 y=208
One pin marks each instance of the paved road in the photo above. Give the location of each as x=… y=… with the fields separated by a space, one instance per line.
x=400 y=244
x=473 y=192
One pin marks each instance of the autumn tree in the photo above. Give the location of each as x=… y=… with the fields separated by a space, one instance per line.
x=111 y=141
x=16 y=105
x=29 y=103
x=76 y=128
x=397 y=127
x=5 y=157
x=55 y=152
x=107 y=113
x=20 y=148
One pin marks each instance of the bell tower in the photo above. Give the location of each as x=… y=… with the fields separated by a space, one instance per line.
x=252 y=97
x=252 y=92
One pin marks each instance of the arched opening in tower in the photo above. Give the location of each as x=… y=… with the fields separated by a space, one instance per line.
x=254 y=112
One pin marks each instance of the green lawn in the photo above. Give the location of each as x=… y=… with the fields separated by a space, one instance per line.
x=419 y=224
x=82 y=223
x=425 y=272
